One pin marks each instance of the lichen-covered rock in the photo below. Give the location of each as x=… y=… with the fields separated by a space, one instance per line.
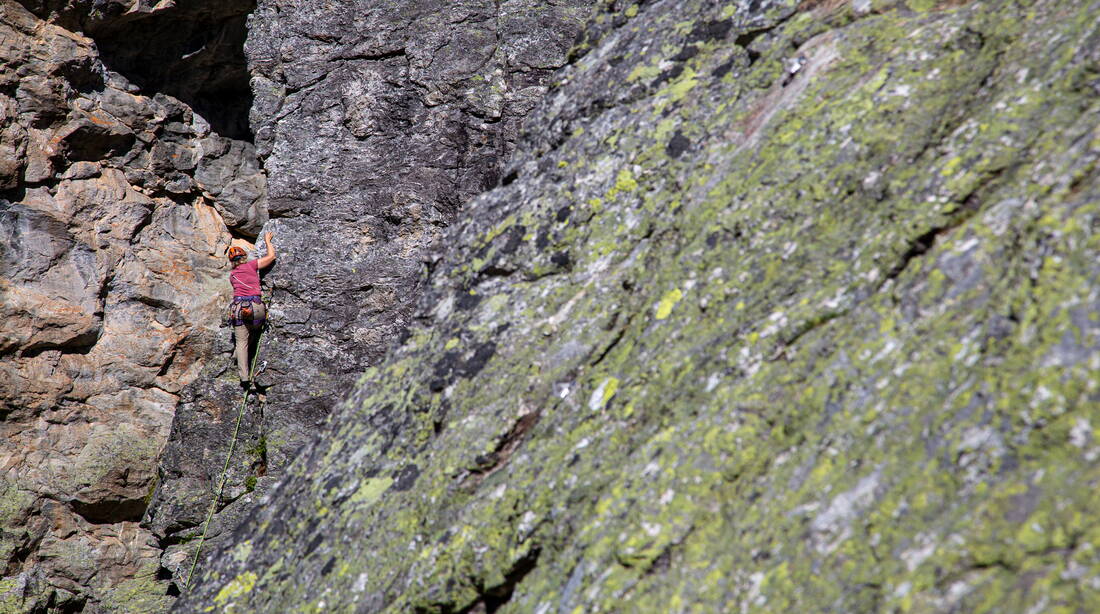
x=782 y=306
x=375 y=122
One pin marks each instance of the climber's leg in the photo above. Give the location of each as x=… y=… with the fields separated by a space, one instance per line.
x=242 y=342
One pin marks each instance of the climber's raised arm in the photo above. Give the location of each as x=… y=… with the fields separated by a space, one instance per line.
x=265 y=261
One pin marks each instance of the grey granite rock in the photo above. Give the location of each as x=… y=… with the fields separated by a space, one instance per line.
x=374 y=122
x=781 y=306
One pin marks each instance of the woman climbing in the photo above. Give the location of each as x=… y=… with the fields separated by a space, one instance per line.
x=247 y=312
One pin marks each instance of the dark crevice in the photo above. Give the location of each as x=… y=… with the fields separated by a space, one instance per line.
x=494 y=598
x=490 y=463
x=970 y=206
x=374 y=57
x=164 y=575
x=662 y=563
x=917 y=248
x=495 y=270
x=194 y=53
x=14 y=195
x=55 y=605
x=154 y=302
x=614 y=342
x=747 y=39
x=810 y=325
x=143 y=223
x=111 y=512
x=167 y=365
x=182 y=533
x=81 y=344
x=19 y=555
x=497 y=596
x=237 y=233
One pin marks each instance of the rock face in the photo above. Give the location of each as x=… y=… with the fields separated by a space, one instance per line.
x=375 y=122
x=781 y=306
x=111 y=282
x=189 y=49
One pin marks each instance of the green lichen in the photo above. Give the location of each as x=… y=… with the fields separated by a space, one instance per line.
x=141 y=594
x=840 y=350
x=624 y=182
x=10 y=601
x=668 y=301
x=236 y=588
x=371 y=491
x=242 y=550
x=259 y=449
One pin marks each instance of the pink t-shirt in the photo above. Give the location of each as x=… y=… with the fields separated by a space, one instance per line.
x=245 y=279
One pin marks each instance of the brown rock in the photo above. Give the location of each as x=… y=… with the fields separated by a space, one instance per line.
x=111 y=284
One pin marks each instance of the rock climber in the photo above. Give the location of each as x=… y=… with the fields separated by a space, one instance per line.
x=247 y=313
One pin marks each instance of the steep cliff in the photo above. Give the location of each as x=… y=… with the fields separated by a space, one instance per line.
x=129 y=163
x=781 y=306
x=375 y=122
x=110 y=287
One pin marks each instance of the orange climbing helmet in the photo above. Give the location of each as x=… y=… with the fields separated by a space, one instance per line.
x=236 y=252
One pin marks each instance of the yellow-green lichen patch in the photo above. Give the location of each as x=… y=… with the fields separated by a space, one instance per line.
x=624 y=182
x=242 y=550
x=680 y=88
x=11 y=599
x=643 y=73
x=603 y=393
x=371 y=491
x=667 y=302
x=143 y=593
x=238 y=587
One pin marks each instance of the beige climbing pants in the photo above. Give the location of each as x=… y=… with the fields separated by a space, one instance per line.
x=246 y=338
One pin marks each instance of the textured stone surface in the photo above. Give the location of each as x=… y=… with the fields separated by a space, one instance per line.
x=783 y=306
x=375 y=122
x=189 y=49
x=111 y=282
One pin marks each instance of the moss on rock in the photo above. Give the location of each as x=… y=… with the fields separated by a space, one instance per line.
x=834 y=349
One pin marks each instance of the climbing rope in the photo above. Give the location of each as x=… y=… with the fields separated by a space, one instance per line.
x=228 y=457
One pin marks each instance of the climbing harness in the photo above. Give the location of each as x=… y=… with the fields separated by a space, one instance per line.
x=228 y=457
x=247 y=311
